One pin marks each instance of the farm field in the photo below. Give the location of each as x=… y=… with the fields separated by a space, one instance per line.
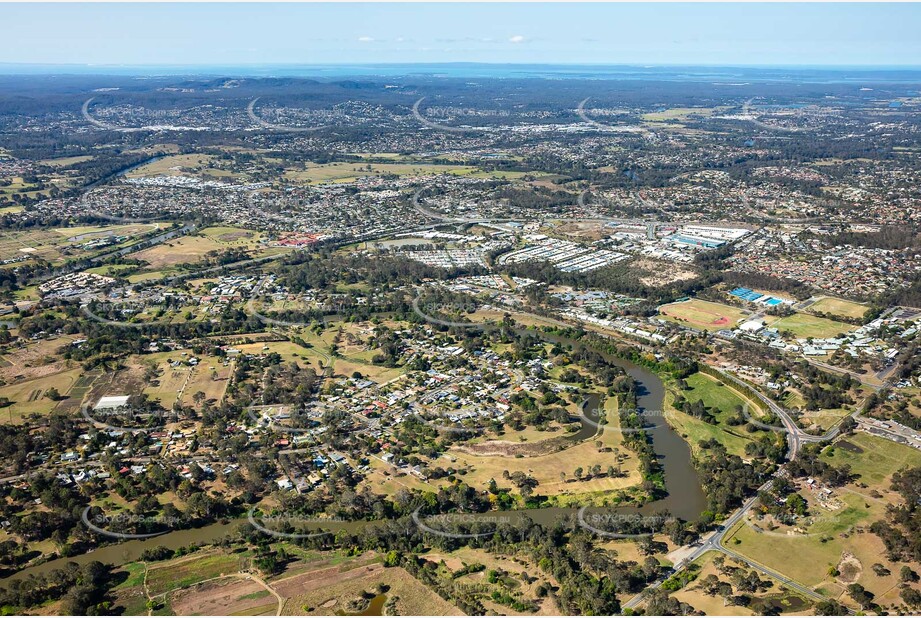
x=30 y=396
x=702 y=314
x=184 y=572
x=232 y=595
x=839 y=306
x=803 y=326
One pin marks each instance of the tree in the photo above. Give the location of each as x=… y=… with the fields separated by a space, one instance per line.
x=861 y=595
x=830 y=608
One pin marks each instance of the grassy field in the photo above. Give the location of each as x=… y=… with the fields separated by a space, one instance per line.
x=169 y=165
x=702 y=314
x=723 y=401
x=841 y=307
x=29 y=397
x=693 y=595
x=193 y=248
x=547 y=469
x=188 y=249
x=842 y=531
x=349 y=172
x=184 y=572
x=877 y=461
x=803 y=326
x=680 y=113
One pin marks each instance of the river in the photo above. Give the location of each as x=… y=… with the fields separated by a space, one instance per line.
x=685 y=498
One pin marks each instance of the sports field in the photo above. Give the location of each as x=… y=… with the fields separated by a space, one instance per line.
x=803 y=326
x=702 y=314
x=839 y=306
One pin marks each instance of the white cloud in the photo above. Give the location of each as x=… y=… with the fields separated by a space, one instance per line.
x=517 y=39
x=365 y=39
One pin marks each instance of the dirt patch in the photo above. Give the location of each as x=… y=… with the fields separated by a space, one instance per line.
x=316 y=580
x=588 y=230
x=225 y=597
x=657 y=274
x=844 y=445
x=849 y=569
x=504 y=448
x=232 y=236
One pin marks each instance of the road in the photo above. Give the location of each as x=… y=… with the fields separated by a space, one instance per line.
x=795 y=435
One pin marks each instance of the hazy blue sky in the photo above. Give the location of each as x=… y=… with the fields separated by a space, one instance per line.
x=229 y=34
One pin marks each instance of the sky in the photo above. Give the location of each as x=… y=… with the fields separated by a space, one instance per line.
x=272 y=34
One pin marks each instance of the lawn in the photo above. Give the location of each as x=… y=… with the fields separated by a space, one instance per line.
x=840 y=307
x=724 y=400
x=878 y=458
x=702 y=314
x=804 y=326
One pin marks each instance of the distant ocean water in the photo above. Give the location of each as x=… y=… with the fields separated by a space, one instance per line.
x=728 y=75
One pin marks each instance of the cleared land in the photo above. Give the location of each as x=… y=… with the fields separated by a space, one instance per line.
x=702 y=314
x=840 y=531
x=185 y=250
x=326 y=592
x=229 y=596
x=547 y=469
